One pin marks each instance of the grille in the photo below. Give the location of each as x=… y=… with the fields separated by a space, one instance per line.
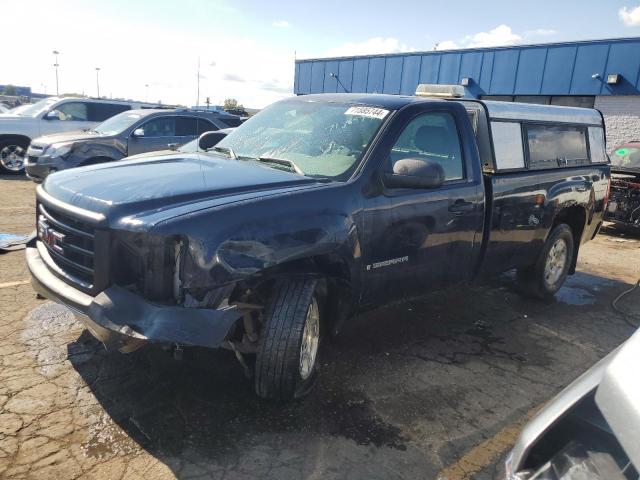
x=70 y=243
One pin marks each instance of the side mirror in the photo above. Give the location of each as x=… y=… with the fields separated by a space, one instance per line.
x=52 y=115
x=138 y=132
x=210 y=139
x=414 y=173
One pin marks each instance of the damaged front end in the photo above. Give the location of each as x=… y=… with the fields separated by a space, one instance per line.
x=133 y=290
x=624 y=199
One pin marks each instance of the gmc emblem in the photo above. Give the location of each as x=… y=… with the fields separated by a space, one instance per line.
x=50 y=236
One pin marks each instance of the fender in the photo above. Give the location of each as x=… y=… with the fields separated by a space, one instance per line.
x=85 y=151
x=255 y=240
x=14 y=137
x=575 y=202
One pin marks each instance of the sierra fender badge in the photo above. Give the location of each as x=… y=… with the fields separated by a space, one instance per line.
x=386 y=263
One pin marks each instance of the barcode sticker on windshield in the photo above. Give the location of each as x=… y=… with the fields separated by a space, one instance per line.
x=370 y=112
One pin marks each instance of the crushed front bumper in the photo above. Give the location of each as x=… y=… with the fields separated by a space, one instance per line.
x=38 y=168
x=122 y=320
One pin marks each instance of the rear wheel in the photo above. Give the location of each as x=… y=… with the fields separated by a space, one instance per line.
x=287 y=357
x=546 y=276
x=12 y=155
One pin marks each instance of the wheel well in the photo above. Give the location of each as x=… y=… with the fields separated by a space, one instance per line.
x=575 y=217
x=336 y=286
x=15 y=138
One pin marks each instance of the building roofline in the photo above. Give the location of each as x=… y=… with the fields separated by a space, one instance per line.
x=478 y=49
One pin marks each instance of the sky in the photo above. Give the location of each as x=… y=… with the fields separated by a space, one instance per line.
x=149 y=50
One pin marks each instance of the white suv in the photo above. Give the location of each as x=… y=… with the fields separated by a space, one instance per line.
x=51 y=115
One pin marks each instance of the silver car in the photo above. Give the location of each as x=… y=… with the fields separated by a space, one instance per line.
x=591 y=430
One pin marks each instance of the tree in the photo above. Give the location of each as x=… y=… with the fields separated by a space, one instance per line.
x=231 y=104
x=10 y=90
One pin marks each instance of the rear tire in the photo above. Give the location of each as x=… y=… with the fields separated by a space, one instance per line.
x=287 y=356
x=12 y=156
x=544 y=278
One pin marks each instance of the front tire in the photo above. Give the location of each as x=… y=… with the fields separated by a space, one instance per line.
x=547 y=275
x=12 y=156
x=287 y=357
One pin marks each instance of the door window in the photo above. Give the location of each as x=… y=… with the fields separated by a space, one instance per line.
x=160 y=127
x=72 y=112
x=205 y=126
x=190 y=126
x=433 y=137
x=232 y=122
x=99 y=112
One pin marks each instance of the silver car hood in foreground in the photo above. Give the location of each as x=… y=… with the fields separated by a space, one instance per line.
x=617 y=396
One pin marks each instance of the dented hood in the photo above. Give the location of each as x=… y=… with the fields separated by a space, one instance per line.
x=64 y=137
x=156 y=184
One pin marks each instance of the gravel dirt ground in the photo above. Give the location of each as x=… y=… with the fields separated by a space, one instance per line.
x=435 y=387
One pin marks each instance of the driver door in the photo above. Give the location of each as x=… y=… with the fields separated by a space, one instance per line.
x=419 y=239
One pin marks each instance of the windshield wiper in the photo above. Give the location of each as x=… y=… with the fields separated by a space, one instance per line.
x=228 y=150
x=282 y=161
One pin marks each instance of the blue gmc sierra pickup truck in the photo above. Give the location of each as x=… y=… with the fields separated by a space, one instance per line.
x=313 y=210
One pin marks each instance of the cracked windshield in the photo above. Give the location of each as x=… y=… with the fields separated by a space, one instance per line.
x=320 y=139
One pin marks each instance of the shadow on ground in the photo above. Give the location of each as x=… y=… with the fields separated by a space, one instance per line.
x=202 y=407
x=18 y=177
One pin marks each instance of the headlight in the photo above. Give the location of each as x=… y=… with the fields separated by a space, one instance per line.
x=58 y=149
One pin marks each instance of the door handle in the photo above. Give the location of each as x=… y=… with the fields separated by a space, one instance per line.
x=460 y=206
x=584 y=188
x=173 y=146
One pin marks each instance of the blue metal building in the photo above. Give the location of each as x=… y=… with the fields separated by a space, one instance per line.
x=601 y=73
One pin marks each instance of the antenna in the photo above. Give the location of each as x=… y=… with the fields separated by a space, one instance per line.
x=335 y=75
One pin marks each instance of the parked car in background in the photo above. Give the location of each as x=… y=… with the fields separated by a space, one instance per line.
x=315 y=209
x=624 y=204
x=207 y=140
x=17 y=110
x=51 y=115
x=590 y=431
x=128 y=133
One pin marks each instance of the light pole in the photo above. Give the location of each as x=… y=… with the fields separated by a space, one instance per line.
x=56 y=65
x=98 y=80
x=198 y=93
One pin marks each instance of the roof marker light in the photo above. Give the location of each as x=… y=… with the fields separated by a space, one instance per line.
x=432 y=90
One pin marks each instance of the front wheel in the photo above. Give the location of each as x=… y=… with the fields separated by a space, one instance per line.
x=287 y=357
x=12 y=155
x=546 y=276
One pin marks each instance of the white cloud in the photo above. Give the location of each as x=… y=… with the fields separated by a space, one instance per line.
x=447 y=45
x=502 y=35
x=372 y=46
x=541 y=32
x=631 y=18
x=281 y=24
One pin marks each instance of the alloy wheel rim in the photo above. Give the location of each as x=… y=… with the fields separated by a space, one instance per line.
x=556 y=262
x=310 y=340
x=12 y=157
